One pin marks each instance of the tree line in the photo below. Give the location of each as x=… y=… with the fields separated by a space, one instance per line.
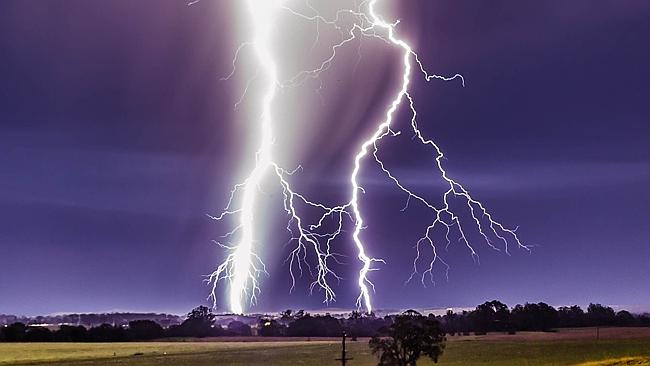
x=491 y=316
x=89 y=320
x=495 y=316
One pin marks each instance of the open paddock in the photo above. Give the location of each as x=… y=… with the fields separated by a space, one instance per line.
x=616 y=347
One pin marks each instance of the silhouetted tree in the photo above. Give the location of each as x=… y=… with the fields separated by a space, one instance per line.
x=289 y=315
x=203 y=313
x=644 y=320
x=625 y=319
x=15 y=332
x=450 y=322
x=363 y=325
x=464 y=323
x=354 y=325
x=409 y=337
x=38 y=334
x=491 y=316
x=599 y=315
x=570 y=317
x=315 y=326
x=534 y=317
x=145 y=330
x=238 y=328
x=106 y=333
x=286 y=315
x=271 y=328
x=547 y=317
x=199 y=323
x=68 y=333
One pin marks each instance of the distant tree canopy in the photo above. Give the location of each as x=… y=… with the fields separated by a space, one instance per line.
x=315 y=326
x=534 y=317
x=409 y=337
x=14 y=332
x=106 y=333
x=199 y=323
x=67 y=333
x=494 y=316
x=238 y=328
x=289 y=316
x=491 y=316
x=363 y=325
x=145 y=330
x=570 y=317
x=286 y=315
x=271 y=328
x=598 y=314
x=202 y=313
x=624 y=319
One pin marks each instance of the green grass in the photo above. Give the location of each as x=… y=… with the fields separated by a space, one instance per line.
x=472 y=352
x=154 y=353
x=504 y=353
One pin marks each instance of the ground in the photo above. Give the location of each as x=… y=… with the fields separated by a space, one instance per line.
x=615 y=347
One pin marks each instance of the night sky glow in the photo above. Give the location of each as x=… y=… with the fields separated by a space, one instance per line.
x=117 y=137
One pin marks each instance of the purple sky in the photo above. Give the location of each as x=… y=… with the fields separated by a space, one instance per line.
x=116 y=138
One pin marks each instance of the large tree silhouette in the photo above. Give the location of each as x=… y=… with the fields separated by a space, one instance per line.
x=410 y=336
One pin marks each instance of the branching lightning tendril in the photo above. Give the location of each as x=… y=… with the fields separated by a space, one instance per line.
x=242 y=265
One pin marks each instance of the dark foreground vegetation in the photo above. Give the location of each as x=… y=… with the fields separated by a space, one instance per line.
x=492 y=316
x=409 y=337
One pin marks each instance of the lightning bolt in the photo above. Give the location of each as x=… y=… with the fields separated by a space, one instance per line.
x=444 y=215
x=242 y=265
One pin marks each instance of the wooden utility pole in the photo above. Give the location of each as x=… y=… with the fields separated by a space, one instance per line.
x=344 y=357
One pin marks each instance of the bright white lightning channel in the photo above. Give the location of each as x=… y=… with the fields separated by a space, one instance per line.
x=242 y=266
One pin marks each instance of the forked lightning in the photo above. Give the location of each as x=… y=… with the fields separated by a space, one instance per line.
x=242 y=265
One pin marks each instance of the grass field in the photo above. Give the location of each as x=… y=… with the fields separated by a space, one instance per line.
x=616 y=347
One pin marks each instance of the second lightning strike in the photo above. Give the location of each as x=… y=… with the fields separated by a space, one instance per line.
x=242 y=265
